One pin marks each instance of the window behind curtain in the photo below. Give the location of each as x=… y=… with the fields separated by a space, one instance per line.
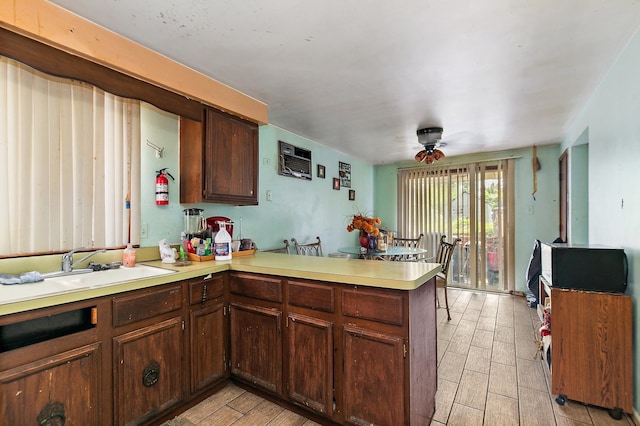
x=473 y=202
x=69 y=159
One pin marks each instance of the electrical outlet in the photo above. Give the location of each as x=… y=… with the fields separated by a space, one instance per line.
x=144 y=230
x=268 y=195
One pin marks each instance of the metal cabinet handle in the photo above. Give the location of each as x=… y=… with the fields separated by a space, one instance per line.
x=52 y=415
x=151 y=374
x=204 y=293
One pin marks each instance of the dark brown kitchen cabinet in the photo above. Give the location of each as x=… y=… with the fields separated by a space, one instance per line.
x=39 y=393
x=219 y=159
x=148 y=372
x=256 y=346
x=256 y=330
x=207 y=329
x=46 y=354
x=375 y=352
x=373 y=360
x=310 y=360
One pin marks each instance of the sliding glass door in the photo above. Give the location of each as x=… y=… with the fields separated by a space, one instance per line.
x=472 y=202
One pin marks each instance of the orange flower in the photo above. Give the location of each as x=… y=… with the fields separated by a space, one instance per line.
x=364 y=224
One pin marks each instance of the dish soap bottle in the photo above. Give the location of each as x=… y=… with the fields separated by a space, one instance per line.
x=129 y=257
x=222 y=243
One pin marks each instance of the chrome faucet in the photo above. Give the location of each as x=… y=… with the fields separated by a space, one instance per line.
x=67 y=259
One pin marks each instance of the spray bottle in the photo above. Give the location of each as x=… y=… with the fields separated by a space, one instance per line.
x=222 y=243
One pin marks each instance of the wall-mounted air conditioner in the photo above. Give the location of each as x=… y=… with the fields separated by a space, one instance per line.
x=294 y=161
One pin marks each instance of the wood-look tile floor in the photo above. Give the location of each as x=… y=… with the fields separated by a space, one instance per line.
x=487 y=375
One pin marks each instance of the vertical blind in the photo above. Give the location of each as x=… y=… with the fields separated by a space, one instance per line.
x=69 y=160
x=473 y=202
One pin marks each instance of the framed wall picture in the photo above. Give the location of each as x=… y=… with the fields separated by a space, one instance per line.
x=352 y=194
x=336 y=183
x=344 y=171
x=320 y=171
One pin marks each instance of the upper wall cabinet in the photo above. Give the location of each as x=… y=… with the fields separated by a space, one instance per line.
x=218 y=160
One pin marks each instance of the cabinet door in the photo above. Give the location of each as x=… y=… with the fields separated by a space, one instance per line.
x=147 y=371
x=207 y=346
x=310 y=381
x=373 y=377
x=592 y=349
x=42 y=392
x=230 y=159
x=256 y=345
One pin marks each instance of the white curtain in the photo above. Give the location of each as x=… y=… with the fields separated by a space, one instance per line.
x=69 y=160
x=473 y=202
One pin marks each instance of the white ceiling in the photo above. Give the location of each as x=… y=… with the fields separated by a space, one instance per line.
x=363 y=76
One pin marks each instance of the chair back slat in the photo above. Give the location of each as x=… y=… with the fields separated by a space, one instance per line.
x=308 y=249
x=408 y=243
x=445 y=253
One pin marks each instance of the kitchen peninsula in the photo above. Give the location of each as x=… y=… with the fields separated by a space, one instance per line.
x=347 y=341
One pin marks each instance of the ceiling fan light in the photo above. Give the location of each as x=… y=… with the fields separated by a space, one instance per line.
x=438 y=155
x=420 y=156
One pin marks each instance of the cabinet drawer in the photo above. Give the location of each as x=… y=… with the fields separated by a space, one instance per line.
x=313 y=296
x=136 y=307
x=205 y=288
x=374 y=306
x=258 y=287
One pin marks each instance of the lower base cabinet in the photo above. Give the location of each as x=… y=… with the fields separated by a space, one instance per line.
x=347 y=354
x=39 y=393
x=374 y=391
x=592 y=347
x=148 y=371
x=207 y=348
x=310 y=363
x=256 y=346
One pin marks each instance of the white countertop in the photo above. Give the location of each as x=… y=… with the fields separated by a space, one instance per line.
x=55 y=291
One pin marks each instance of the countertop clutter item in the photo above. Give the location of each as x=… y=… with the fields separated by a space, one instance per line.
x=194 y=257
x=129 y=256
x=222 y=243
x=194 y=223
x=213 y=222
x=166 y=252
x=27 y=277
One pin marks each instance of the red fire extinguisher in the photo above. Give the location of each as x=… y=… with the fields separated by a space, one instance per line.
x=162 y=186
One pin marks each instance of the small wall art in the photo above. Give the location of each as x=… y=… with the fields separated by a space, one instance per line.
x=336 y=183
x=352 y=194
x=320 y=171
x=344 y=171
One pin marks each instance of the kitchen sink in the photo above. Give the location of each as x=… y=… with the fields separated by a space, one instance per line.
x=79 y=279
x=56 y=274
x=107 y=277
x=112 y=276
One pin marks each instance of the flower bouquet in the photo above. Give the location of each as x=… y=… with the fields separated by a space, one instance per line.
x=367 y=227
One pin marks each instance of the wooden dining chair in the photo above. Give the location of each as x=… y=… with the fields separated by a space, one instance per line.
x=409 y=243
x=443 y=257
x=283 y=250
x=308 y=249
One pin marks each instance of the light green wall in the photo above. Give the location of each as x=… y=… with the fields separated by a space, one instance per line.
x=534 y=219
x=298 y=208
x=611 y=117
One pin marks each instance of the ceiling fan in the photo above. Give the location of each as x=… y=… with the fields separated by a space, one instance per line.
x=430 y=138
